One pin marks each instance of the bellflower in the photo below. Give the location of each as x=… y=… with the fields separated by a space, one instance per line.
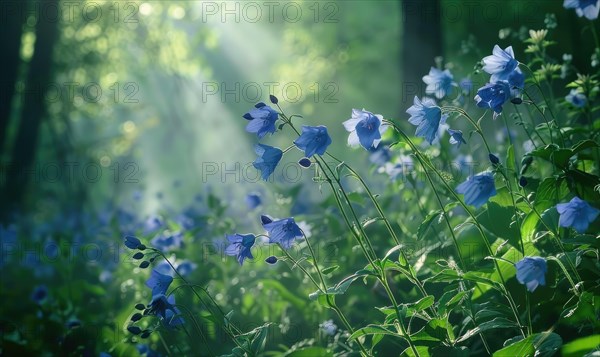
x=365 y=129
x=39 y=295
x=516 y=81
x=268 y=158
x=160 y=304
x=577 y=99
x=239 y=246
x=185 y=267
x=439 y=83
x=478 y=189
x=456 y=137
x=587 y=8
x=427 y=116
x=282 y=231
x=314 y=140
x=253 y=200
x=328 y=327
x=493 y=96
x=262 y=120
x=577 y=214
x=167 y=240
x=159 y=283
x=531 y=271
x=500 y=64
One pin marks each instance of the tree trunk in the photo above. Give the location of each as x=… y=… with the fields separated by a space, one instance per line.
x=421 y=43
x=12 y=16
x=34 y=106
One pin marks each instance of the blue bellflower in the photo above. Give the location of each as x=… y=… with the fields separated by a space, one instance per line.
x=500 y=64
x=365 y=129
x=576 y=214
x=587 y=8
x=282 y=231
x=160 y=304
x=439 y=83
x=577 y=99
x=39 y=295
x=456 y=137
x=516 y=82
x=166 y=241
x=185 y=267
x=239 y=246
x=268 y=158
x=262 y=120
x=493 y=96
x=314 y=140
x=427 y=116
x=159 y=283
x=253 y=200
x=478 y=189
x=531 y=271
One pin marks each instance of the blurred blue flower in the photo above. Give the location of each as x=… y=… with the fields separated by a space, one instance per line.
x=577 y=214
x=587 y=8
x=240 y=245
x=328 y=327
x=153 y=223
x=439 y=83
x=73 y=323
x=268 y=158
x=381 y=155
x=159 y=283
x=282 y=231
x=145 y=350
x=516 y=82
x=493 y=96
x=39 y=295
x=104 y=354
x=314 y=140
x=132 y=242
x=478 y=189
x=168 y=240
x=173 y=317
x=456 y=137
x=262 y=120
x=531 y=271
x=576 y=98
x=427 y=116
x=164 y=268
x=365 y=129
x=253 y=200
x=466 y=85
x=500 y=64
x=185 y=267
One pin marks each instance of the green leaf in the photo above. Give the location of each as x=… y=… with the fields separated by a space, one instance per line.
x=424 y=303
x=446 y=275
x=330 y=270
x=498 y=322
x=580 y=346
x=510 y=159
x=375 y=330
x=544 y=344
x=499 y=221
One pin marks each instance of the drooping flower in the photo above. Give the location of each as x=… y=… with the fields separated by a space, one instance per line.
x=577 y=214
x=268 y=158
x=427 y=116
x=253 y=200
x=500 y=64
x=132 y=242
x=314 y=140
x=282 y=231
x=456 y=137
x=39 y=295
x=531 y=271
x=160 y=304
x=159 y=283
x=262 y=120
x=516 y=82
x=381 y=155
x=365 y=129
x=587 y=8
x=576 y=98
x=167 y=240
x=239 y=246
x=478 y=189
x=493 y=96
x=439 y=83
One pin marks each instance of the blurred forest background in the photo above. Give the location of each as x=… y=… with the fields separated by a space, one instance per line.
x=101 y=100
